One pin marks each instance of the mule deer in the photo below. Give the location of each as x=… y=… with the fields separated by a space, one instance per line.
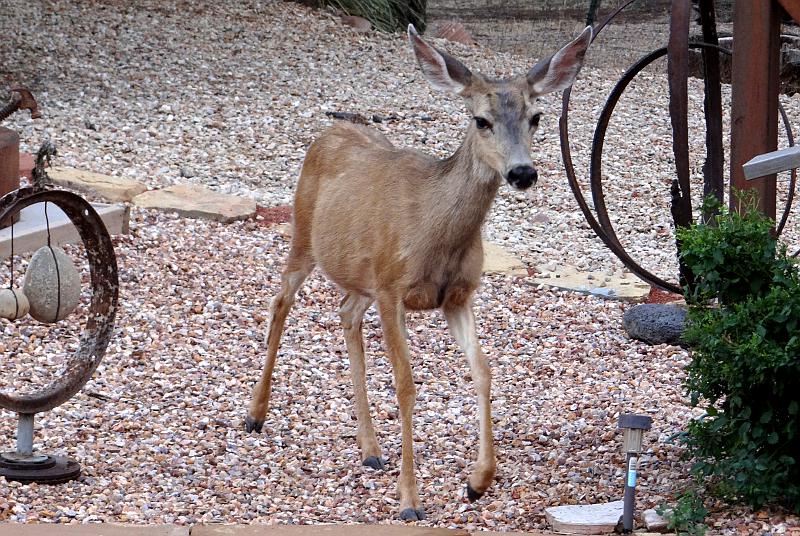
x=403 y=229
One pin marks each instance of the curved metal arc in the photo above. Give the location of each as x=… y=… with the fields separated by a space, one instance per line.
x=598 y=141
x=793 y=180
x=595 y=167
x=105 y=294
x=615 y=248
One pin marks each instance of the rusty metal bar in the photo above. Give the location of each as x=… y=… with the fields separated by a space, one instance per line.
x=713 y=179
x=678 y=76
x=792 y=7
x=754 y=108
x=22 y=101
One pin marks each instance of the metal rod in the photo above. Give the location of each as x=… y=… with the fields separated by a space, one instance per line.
x=630 y=488
x=25 y=434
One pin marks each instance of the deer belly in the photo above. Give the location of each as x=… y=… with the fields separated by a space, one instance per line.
x=424 y=295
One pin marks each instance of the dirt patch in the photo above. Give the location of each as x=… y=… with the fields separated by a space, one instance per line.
x=273 y=215
x=662 y=296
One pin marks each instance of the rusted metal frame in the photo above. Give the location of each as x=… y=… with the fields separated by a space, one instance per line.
x=598 y=196
x=614 y=246
x=678 y=76
x=24 y=101
x=792 y=7
x=754 y=107
x=713 y=179
x=596 y=159
x=102 y=310
x=566 y=154
x=609 y=18
x=793 y=177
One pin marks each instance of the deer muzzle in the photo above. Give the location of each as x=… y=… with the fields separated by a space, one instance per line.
x=522 y=177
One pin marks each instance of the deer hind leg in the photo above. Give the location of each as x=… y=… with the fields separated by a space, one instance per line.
x=351 y=313
x=297 y=269
x=461 y=321
x=393 y=321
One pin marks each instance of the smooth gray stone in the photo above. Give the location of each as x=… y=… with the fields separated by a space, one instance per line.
x=41 y=285
x=655 y=323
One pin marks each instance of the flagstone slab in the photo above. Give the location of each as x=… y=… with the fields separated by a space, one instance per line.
x=194 y=201
x=499 y=261
x=585 y=518
x=620 y=287
x=116 y=189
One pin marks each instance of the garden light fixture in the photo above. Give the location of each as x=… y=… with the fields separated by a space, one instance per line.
x=634 y=427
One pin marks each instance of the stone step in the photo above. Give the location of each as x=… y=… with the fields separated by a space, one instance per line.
x=114 y=189
x=104 y=529
x=91 y=529
x=30 y=232
x=193 y=201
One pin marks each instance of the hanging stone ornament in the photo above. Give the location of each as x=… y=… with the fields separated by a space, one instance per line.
x=13 y=304
x=52 y=285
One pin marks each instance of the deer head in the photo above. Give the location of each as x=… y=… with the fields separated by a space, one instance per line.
x=505 y=113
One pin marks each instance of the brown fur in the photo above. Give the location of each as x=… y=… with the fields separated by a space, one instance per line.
x=402 y=229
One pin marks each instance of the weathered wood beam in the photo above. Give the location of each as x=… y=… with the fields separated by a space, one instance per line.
x=773 y=162
x=754 y=109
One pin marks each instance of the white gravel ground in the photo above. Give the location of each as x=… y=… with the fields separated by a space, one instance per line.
x=229 y=96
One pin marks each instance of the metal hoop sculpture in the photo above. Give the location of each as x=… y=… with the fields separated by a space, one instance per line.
x=602 y=225
x=93 y=341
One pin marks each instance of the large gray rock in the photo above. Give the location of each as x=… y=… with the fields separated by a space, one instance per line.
x=655 y=323
x=44 y=282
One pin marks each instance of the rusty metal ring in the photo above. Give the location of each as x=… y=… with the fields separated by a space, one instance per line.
x=604 y=228
x=105 y=292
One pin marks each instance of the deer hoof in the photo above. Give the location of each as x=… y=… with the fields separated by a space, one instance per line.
x=473 y=495
x=376 y=462
x=253 y=425
x=412 y=514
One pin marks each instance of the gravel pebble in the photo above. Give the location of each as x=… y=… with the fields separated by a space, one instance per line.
x=228 y=96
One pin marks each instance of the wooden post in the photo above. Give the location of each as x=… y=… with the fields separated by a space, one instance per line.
x=754 y=109
x=713 y=174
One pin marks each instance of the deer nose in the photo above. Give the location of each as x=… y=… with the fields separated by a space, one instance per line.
x=522 y=177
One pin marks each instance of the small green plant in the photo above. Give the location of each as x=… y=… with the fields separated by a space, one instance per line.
x=687 y=516
x=385 y=15
x=744 y=330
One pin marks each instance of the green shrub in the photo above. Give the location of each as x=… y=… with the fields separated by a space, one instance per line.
x=746 y=358
x=385 y=15
x=687 y=516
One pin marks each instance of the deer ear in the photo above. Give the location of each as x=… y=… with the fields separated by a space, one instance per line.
x=442 y=71
x=559 y=71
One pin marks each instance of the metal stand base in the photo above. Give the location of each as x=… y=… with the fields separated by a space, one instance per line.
x=41 y=469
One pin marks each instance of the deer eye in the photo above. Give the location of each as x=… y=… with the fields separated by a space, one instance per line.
x=534 y=121
x=482 y=123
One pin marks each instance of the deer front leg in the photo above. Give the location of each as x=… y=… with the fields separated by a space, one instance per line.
x=461 y=321
x=296 y=272
x=393 y=321
x=351 y=312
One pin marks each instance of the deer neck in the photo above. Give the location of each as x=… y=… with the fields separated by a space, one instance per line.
x=464 y=188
